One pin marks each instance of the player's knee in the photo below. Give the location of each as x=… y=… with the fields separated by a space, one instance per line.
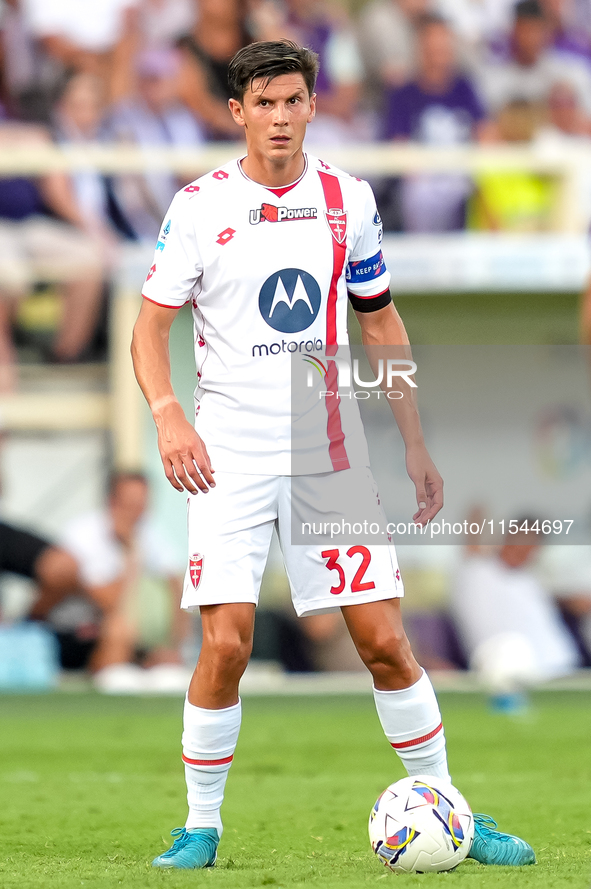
x=229 y=651
x=389 y=654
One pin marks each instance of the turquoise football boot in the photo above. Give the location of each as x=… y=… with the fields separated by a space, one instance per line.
x=191 y=849
x=490 y=846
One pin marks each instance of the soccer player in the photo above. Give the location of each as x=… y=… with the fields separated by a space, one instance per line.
x=267 y=248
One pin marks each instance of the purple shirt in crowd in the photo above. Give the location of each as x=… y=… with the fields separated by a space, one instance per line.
x=437 y=119
x=19 y=197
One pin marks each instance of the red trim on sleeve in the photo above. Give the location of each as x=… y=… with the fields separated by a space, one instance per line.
x=162 y=305
x=370 y=295
x=336 y=449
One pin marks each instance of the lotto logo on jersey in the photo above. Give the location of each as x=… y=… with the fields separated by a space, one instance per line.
x=289 y=300
x=271 y=213
x=196 y=569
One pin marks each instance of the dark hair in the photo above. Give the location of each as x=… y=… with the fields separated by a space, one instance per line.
x=529 y=9
x=267 y=60
x=119 y=476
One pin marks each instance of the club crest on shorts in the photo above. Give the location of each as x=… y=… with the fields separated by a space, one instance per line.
x=196 y=569
x=337 y=222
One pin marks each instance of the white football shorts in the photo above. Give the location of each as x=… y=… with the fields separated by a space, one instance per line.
x=230 y=531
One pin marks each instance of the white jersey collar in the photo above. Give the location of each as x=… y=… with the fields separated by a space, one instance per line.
x=283 y=188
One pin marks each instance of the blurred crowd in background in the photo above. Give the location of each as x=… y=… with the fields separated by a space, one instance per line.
x=438 y=71
x=153 y=73
x=104 y=599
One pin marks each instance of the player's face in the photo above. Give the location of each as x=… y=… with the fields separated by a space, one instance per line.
x=275 y=115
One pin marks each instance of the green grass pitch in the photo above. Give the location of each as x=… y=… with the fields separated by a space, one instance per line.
x=90 y=788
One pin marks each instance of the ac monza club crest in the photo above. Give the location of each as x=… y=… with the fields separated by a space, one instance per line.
x=196 y=569
x=337 y=222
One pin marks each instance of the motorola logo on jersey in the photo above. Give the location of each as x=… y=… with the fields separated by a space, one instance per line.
x=289 y=300
x=262 y=350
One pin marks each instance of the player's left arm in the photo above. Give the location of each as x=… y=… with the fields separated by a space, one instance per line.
x=368 y=284
x=384 y=328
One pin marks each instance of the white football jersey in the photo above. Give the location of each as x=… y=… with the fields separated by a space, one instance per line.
x=267 y=272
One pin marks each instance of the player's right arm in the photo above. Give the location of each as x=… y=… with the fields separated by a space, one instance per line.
x=184 y=455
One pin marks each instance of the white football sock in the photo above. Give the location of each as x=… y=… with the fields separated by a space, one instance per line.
x=412 y=724
x=209 y=741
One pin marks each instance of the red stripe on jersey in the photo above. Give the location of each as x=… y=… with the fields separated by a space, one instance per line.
x=416 y=741
x=207 y=762
x=334 y=201
x=162 y=305
x=336 y=437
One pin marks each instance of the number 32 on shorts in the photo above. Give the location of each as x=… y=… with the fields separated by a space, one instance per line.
x=333 y=564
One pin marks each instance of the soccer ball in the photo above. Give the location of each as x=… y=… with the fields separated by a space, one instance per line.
x=421 y=824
